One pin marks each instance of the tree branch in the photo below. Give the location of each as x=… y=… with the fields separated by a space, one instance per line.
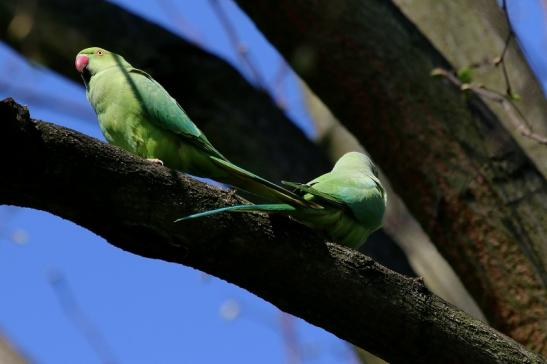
x=226 y=107
x=458 y=170
x=133 y=203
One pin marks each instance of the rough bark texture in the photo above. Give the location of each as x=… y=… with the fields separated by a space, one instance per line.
x=132 y=204
x=459 y=172
x=469 y=31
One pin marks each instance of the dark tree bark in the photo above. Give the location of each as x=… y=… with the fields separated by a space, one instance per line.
x=462 y=176
x=132 y=204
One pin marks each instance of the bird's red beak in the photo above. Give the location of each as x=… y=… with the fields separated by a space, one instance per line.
x=81 y=62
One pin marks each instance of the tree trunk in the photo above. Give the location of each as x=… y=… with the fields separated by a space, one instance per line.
x=467 y=32
x=423 y=256
x=458 y=170
x=273 y=257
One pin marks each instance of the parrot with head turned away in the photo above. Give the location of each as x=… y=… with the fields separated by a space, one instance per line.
x=350 y=202
x=137 y=114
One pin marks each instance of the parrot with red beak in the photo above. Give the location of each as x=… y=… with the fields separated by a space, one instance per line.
x=137 y=114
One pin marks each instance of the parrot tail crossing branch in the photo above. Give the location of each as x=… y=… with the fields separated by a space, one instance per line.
x=268 y=208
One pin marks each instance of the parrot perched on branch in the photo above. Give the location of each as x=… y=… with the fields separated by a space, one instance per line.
x=351 y=202
x=137 y=114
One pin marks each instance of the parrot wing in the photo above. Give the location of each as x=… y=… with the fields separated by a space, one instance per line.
x=318 y=196
x=247 y=179
x=165 y=112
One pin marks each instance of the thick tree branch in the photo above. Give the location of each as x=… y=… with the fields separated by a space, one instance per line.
x=132 y=204
x=218 y=98
x=459 y=172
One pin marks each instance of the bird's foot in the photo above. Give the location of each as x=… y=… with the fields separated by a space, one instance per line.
x=155 y=161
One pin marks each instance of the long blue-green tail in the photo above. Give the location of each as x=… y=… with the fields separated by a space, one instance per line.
x=269 y=208
x=240 y=178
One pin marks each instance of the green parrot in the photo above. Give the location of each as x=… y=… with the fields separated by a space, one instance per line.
x=350 y=202
x=137 y=114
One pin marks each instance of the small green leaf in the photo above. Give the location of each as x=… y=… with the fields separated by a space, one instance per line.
x=514 y=96
x=465 y=74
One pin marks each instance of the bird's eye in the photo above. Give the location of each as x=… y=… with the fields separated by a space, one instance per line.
x=100 y=53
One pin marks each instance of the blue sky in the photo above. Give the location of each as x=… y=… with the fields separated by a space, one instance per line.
x=528 y=20
x=148 y=310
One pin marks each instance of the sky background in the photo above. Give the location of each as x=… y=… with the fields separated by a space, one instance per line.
x=140 y=310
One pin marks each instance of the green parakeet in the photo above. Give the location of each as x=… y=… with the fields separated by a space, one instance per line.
x=350 y=202
x=137 y=114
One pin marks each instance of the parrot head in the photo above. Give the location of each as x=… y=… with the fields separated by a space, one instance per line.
x=356 y=161
x=91 y=61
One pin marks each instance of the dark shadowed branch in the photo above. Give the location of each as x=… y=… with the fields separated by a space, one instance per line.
x=132 y=204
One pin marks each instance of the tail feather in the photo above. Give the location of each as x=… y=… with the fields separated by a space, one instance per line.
x=327 y=199
x=269 y=208
x=257 y=185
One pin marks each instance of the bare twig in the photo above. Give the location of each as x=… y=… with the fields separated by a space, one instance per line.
x=175 y=16
x=501 y=58
x=288 y=332
x=240 y=48
x=280 y=77
x=516 y=117
x=75 y=314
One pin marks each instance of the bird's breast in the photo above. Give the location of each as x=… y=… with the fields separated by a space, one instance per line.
x=120 y=114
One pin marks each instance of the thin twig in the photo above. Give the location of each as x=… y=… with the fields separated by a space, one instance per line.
x=240 y=48
x=175 y=16
x=288 y=332
x=517 y=118
x=8 y=214
x=501 y=58
x=280 y=77
x=73 y=311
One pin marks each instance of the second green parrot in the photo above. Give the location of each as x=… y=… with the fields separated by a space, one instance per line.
x=137 y=114
x=350 y=202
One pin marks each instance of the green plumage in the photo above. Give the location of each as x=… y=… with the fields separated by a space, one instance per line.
x=349 y=202
x=137 y=114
